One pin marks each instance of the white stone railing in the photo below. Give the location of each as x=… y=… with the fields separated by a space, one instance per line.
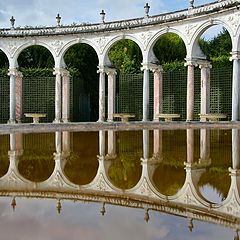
x=124 y=24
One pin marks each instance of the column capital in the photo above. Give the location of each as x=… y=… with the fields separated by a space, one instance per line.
x=148 y=66
x=156 y=68
x=110 y=71
x=204 y=64
x=61 y=71
x=13 y=71
x=101 y=69
x=191 y=62
x=235 y=55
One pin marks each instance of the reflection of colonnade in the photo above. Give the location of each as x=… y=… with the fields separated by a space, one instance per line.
x=142 y=195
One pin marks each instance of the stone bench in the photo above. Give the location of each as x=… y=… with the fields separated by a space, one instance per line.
x=168 y=117
x=35 y=116
x=124 y=116
x=212 y=116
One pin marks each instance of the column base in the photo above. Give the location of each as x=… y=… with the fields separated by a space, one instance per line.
x=65 y=120
x=100 y=120
x=11 y=121
x=56 y=121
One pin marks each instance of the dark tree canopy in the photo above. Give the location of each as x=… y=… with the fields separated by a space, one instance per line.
x=36 y=57
x=169 y=48
x=3 y=60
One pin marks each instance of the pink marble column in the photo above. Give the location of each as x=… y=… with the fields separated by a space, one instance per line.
x=65 y=96
x=19 y=107
x=205 y=87
x=190 y=91
x=101 y=72
x=158 y=91
x=58 y=93
x=12 y=107
x=111 y=73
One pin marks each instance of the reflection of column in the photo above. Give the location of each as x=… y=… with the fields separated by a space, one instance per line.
x=101 y=143
x=19 y=96
x=205 y=87
x=190 y=90
x=66 y=142
x=235 y=149
x=158 y=91
x=235 y=86
x=145 y=69
x=111 y=92
x=111 y=144
x=58 y=142
x=145 y=144
x=157 y=144
x=12 y=115
x=65 y=96
x=204 y=146
x=190 y=145
x=101 y=72
x=58 y=99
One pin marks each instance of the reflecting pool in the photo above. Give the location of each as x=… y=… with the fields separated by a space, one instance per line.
x=149 y=184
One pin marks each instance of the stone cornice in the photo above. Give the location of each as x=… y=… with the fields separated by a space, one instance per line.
x=124 y=24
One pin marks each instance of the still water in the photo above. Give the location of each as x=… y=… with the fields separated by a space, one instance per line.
x=181 y=184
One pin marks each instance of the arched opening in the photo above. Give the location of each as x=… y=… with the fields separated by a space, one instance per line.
x=170 y=52
x=216 y=45
x=82 y=61
x=126 y=57
x=4 y=159
x=4 y=87
x=36 y=162
x=37 y=83
x=82 y=164
x=125 y=169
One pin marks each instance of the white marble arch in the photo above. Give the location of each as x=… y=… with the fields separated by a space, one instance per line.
x=189 y=24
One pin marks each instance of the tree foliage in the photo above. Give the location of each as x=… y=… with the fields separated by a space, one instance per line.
x=169 y=48
x=126 y=56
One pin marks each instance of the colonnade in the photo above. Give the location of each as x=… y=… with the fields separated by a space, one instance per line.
x=62 y=91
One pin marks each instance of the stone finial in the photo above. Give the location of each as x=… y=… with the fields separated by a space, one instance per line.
x=13 y=203
x=102 y=14
x=146 y=9
x=58 y=19
x=103 y=210
x=191 y=2
x=12 y=20
x=146 y=216
x=59 y=206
